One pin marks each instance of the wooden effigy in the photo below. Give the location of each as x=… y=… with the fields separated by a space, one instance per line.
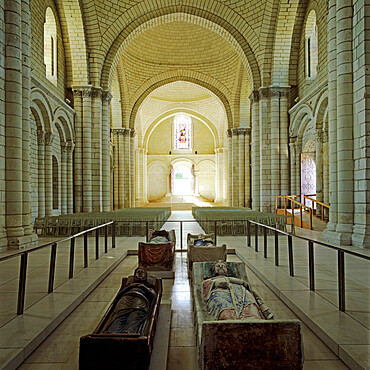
x=203 y=253
x=158 y=256
x=100 y=350
x=243 y=344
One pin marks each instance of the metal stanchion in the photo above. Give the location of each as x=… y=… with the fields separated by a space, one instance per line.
x=71 y=257
x=22 y=283
x=52 y=267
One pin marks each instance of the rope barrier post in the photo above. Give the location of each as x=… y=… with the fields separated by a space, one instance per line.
x=71 y=257
x=248 y=233
x=85 y=251
x=114 y=234
x=290 y=250
x=53 y=256
x=22 y=283
x=265 y=242
x=181 y=235
x=96 y=244
x=256 y=237
x=215 y=228
x=276 y=248
x=341 y=281
x=106 y=238
x=311 y=263
x=147 y=231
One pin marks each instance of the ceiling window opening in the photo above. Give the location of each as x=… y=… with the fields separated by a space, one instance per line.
x=50 y=46
x=182 y=132
x=311 y=46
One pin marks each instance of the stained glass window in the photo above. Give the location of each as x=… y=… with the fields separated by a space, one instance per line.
x=182 y=132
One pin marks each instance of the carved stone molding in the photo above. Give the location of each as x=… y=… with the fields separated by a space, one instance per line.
x=241 y=131
x=132 y=133
x=321 y=136
x=229 y=133
x=264 y=93
x=97 y=93
x=70 y=147
x=118 y=131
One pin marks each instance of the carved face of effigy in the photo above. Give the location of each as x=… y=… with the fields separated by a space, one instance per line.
x=140 y=274
x=220 y=268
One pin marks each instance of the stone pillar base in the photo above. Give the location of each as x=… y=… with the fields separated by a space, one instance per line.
x=337 y=238
x=361 y=236
x=21 y=242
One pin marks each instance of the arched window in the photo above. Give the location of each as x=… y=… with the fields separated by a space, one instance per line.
x=182 y=132
x=311 y=41
x=50 y=46
x=55 y=183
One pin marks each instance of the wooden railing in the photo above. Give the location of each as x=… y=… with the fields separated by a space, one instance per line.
x=323 y=216
x=291 y=206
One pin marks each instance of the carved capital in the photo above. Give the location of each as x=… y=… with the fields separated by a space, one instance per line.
x=41 y=137
x=229 y=133
x=241 y=131
x=97 y=93
x=64 y=151
x=118 y=131
x=126 y=132
x=70 y=147
x=107 y=96
x=87 y=93
x=264 y=93
x=132 y=133
x=254 y=96
x=275 y=92
x=49 y=137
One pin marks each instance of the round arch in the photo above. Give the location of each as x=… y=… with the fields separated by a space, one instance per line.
x=173 y=112
x=40 y=103
x=305 y=112
x=146 y=89
x=204 y=17
x=61 y=116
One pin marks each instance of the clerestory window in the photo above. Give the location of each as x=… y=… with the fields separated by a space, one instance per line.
x=50 y=46
x=312 y=50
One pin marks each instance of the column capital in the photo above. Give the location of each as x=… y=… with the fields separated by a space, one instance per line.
x=241 y=131
x=97 y=93
x=321 y=136
x=254 y=96
x=49 y=137
x=118 y=131
x=70 y=145
x=41 y=137
x=64 y=151
x=132 y=133
x=107 y=96
x=82 y=91
x=229 y=133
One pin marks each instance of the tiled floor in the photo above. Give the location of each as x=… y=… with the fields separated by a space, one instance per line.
x=60 y=349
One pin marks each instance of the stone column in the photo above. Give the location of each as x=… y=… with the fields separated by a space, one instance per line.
x=126 y=167
x=284 y=152
x=293 y=164
x=63 y=177
x=116 y=192
x=86 y=151
x=132 y=169
x=230 y=169
x=264 y=144
x=219 y=175
x=332 y=119
x=106 y=170
x=26 y=94
x=319 y=170
x=325 y=160
x=275 y=144
x=241 y=185
x=48 y=174
x=196 y=183
x=122 y=170
x=13 y=124
x=70 y=148
x=145 y=176
x=298 y=151
x=247 y=168
x=41 y=173
x=345 y=122
x=235 y=167
x=255 y=148
x=96 y=149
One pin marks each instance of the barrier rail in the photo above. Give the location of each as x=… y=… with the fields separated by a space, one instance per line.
x=291 y=211
x=24 y=258
x=324 y=210
x=310 y=245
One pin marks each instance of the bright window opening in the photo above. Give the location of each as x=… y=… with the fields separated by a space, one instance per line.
x=312 y=50
x=182 y=132
x=50 y=46
x=183 y=181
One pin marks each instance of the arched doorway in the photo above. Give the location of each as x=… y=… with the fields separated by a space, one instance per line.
x=308 y=171
x=183 y=181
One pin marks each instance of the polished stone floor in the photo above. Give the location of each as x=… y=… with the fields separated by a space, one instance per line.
x=60 y=349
